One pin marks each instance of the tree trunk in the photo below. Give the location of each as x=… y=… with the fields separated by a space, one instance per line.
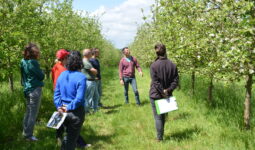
x=179 y=83
x=47 y=72
x=247 y=103
x=193 y=82
x=10 y=77
x=210 y=88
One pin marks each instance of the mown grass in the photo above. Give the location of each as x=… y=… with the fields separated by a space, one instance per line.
x=195 y=126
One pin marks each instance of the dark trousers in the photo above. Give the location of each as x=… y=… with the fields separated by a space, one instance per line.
x=159 y=121
x=73 y=124
x=132 y=81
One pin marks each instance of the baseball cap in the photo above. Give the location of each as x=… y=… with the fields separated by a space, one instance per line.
x=62 y=53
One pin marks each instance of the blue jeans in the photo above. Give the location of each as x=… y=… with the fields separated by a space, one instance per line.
x=33 y=101
x=91 y=96
x=99 y=89
x=132 y=81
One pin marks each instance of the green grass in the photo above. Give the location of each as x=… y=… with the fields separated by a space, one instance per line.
x=195 y=126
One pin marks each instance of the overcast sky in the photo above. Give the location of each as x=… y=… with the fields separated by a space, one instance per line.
x=119 y=18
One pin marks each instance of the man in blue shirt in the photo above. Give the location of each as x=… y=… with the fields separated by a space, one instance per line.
x=96 y=64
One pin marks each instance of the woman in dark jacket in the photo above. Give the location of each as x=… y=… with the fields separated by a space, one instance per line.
x=164 y=79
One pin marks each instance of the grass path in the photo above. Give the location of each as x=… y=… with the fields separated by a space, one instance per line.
x=195 y=126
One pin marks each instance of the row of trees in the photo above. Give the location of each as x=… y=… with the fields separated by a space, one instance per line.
x=214 y=38
x=52 y=24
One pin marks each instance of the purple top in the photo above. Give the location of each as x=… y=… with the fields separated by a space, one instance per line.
x=127 y=67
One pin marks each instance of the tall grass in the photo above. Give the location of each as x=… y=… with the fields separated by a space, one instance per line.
x=195 y=126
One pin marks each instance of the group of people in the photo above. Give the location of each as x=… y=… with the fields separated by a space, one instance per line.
x=77 y=87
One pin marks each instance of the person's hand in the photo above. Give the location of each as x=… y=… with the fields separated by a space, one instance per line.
x=121 y=82
x=62 y=109
x=141 y=73
x=165 y=93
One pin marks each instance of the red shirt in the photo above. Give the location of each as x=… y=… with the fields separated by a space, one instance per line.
x=127 y=67
x=57 y=69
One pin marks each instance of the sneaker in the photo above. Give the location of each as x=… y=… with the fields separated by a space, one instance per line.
x=83 y=146
x=31 y=139
x=87 y=145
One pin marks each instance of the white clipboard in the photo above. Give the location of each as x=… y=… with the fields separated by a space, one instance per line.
x=166 y=105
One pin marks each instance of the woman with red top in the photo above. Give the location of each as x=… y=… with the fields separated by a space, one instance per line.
x=59 y=67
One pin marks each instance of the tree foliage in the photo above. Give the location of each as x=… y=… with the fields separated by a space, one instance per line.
x=213 y=38
x=52 y=24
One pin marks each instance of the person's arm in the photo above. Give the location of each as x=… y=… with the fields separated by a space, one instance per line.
x=156 y=83
x=93 y=71
x=79 y=98
x=174 y=84
x=57 y=96
x=35 y=68
x=121 y=72
x=89 y=68
x=22 y=74
x=138 y=67
x=52 y=74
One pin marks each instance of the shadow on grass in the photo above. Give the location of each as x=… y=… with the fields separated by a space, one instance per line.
x=46 y=141
x=111 y=107
x=186 y=134
x=144 y=102
x=98 y=140
x=179 y=116
x=111 y=112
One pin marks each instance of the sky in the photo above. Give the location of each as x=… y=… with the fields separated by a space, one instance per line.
x=119 y=18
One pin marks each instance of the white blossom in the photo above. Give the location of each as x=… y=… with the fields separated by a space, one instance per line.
x=211 y=35
x=251 y=71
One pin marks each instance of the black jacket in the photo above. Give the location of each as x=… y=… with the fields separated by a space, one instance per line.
x=164 y=75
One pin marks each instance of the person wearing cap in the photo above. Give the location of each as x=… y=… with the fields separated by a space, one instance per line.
x=127 y=67
x=59 y=67
x=91 y=96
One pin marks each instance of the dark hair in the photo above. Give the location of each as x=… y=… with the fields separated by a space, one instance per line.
x=161 y=49
x=74 y=61
x=31 y=51
x=94 y=50
x=124 y=49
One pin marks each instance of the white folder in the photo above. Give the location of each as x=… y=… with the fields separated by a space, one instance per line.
x=166 y=105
